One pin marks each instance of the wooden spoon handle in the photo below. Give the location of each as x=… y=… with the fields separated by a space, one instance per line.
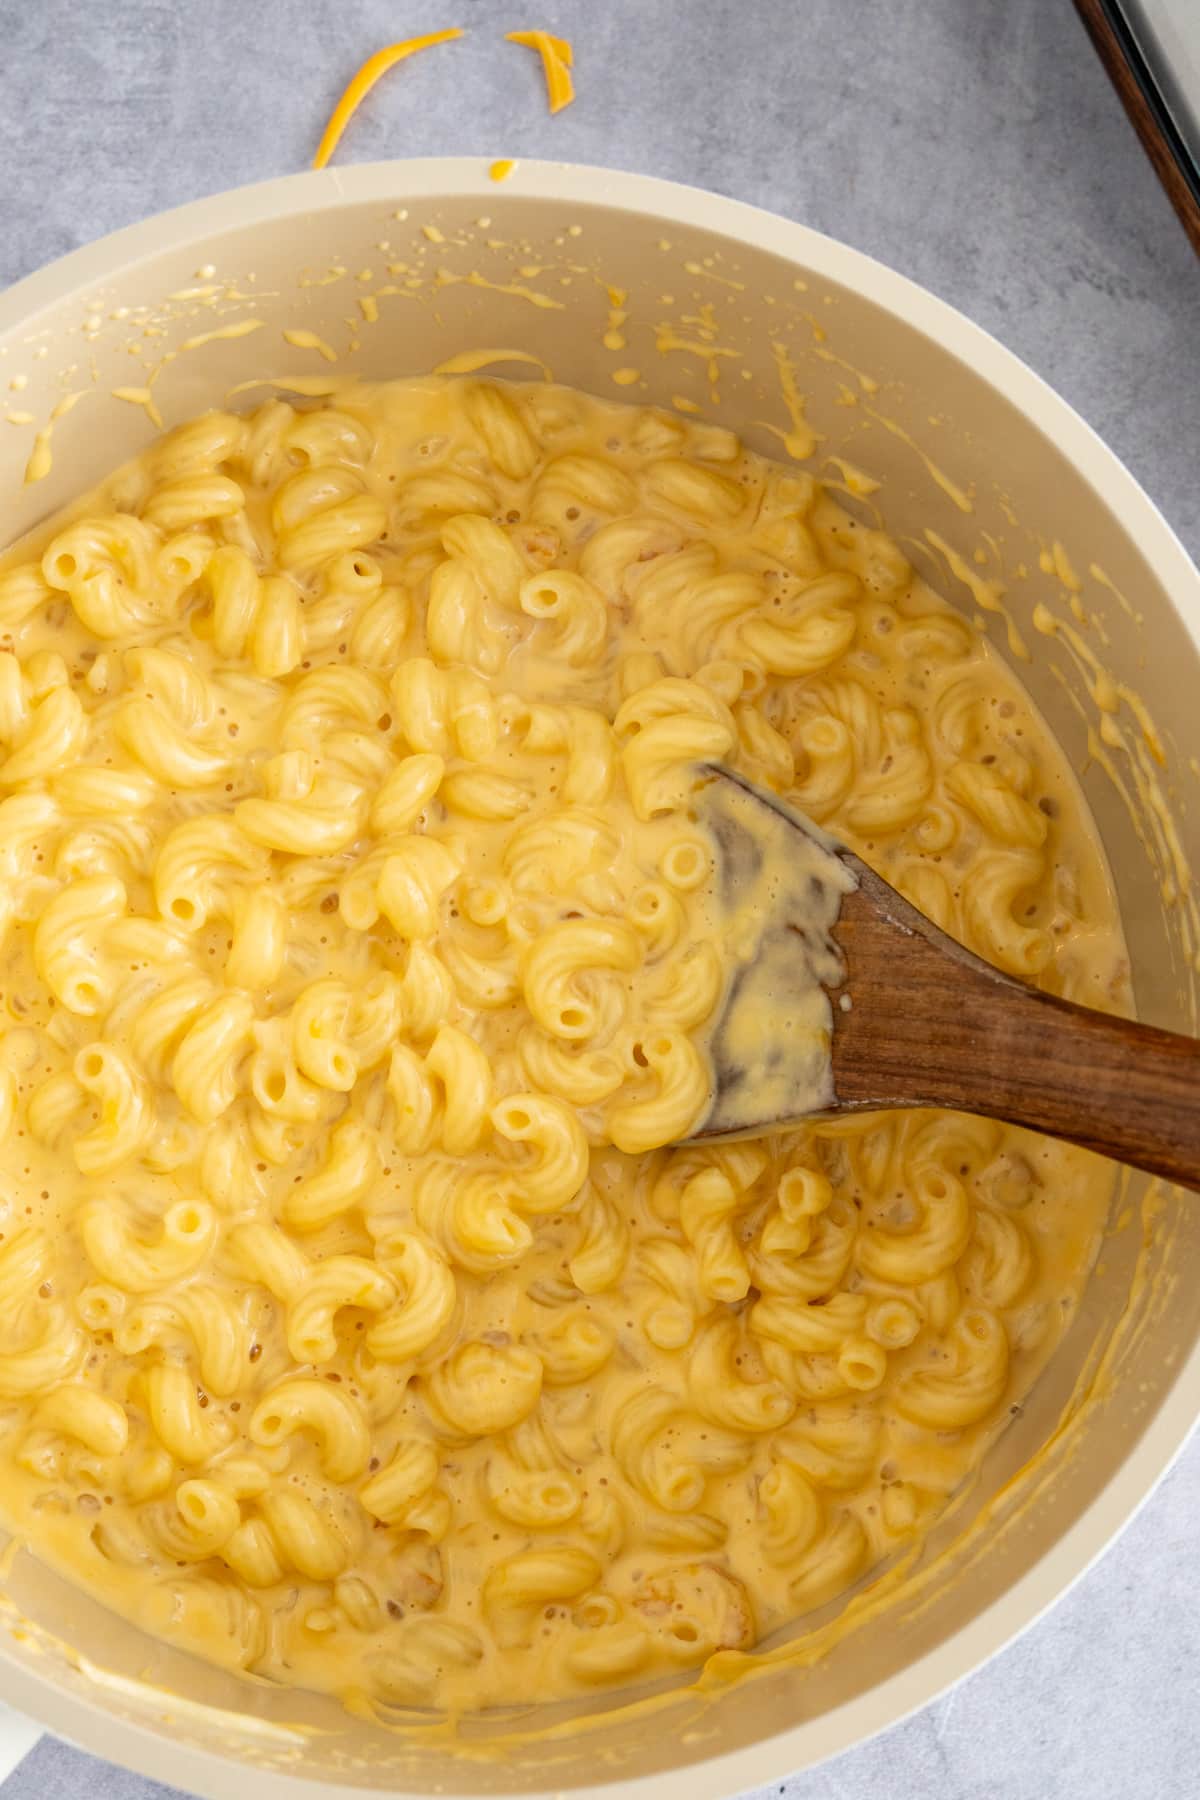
x=964 y=1035
x=1127 y=1090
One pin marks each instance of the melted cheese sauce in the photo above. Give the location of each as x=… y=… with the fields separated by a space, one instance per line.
x=361 y=942
x=780 y=887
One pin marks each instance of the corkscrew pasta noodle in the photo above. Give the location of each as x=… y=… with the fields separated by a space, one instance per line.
x=358 y=1326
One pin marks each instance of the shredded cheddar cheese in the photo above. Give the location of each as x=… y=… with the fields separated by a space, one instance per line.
x=372 y=70
x=557 y=57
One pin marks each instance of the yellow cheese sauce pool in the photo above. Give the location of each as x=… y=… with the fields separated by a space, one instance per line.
x=359 y=1328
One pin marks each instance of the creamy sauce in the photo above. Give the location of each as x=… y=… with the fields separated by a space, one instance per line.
x=308 y=340
x=801 y=440
x=469 y=362
x=950 y=488
x=41 y=457
x=781 y=889
x=514 y=289
x=359 y=1331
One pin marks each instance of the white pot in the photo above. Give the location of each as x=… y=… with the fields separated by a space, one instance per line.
x=1037 y=477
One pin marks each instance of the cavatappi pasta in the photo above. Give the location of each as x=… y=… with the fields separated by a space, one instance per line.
x=356 y=1329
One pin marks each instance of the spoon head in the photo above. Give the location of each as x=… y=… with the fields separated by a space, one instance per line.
x=780 y=885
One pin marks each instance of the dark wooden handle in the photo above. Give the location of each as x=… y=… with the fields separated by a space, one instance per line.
x=964 y=1035
x=1144 y=117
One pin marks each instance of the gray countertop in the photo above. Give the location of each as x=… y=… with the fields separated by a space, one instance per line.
x=973 y=144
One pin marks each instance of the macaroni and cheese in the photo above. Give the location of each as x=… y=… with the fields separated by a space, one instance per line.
x=358 y=1326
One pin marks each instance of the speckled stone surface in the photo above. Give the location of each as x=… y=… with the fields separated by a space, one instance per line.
x=973 y=144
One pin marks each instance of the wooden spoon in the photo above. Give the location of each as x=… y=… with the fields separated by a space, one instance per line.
x=921 y=1021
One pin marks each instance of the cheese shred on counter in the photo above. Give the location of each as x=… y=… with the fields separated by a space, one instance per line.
x=557 y=57
x=372 y=71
